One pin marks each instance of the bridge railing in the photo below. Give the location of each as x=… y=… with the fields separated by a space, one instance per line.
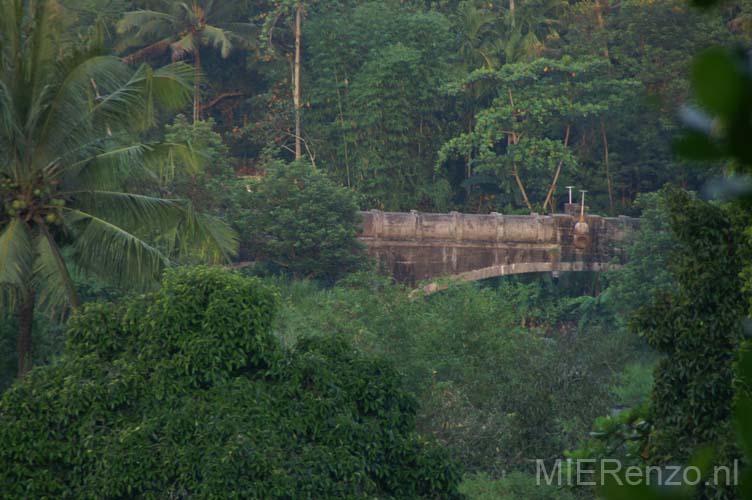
x=493 y=227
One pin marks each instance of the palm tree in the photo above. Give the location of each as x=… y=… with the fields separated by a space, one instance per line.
x=530 y=25
x=183 y=28
x=70 y=167
x=481 y=45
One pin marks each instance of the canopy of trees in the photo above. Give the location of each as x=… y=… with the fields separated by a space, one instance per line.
x=434 y=105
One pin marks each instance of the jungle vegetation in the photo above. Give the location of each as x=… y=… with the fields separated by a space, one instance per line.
x=187 y=311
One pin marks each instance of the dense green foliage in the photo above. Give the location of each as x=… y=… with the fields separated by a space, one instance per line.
x=698 y=326
x=209 y=181
x=514 y=486
x=199 y=389
x=295 y=218
x=647 y=271
x=700 y=320
x=503 y=376
x=185 y=392
x=387 y=83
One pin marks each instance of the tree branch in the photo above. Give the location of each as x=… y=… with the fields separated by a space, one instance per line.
x=558 y=171
x=148 y=51
x=221 y=97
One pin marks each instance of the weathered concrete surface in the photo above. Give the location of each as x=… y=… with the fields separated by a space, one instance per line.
x=421 y=246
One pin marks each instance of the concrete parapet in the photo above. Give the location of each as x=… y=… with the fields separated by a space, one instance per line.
x=417 y=246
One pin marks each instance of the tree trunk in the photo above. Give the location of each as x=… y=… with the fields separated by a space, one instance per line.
x=25 y=325
x=515 y=139
x=296 y=84
x=196 y=84
x=609 y=182
x=516 y=174
x=599 y=8
x=511 y=12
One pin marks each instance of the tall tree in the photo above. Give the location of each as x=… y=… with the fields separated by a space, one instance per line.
x=524 y=138
x=481 y=44
x=69 y=162
x=183 y=28
x=294 y=11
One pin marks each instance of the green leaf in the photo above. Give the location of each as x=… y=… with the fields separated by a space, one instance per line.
x=16 y=254
x=718 y=82
x=697 y=146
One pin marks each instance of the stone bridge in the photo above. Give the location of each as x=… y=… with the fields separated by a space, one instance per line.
x=423 y=246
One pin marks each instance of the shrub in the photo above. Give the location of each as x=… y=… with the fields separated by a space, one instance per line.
x=186 y=393
x=297 y=219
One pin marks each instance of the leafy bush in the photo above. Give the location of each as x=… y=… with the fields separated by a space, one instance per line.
x=622 y=436
x=634 y=384
x=297 y=219
x=187 y=393
x=647 y=272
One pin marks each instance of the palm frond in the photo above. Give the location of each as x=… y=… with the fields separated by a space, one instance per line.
x=117 y=99
x=209 y=237
x=10 y=31
x=44 y=43
x=105 y=249
x=186 y=13
x=132 y=212
x=108 y=166
x=16 y=254
x=135 y=103
x=217 y=38
x=144 y=24
x=10 y=297
x=164 y=159
x=47 y=280
x=9 y=132
x=69 y=119
x=183 y=47
x=188 y=232
x=171 y=85
x=111 y=167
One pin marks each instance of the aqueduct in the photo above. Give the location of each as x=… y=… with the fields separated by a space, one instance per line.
x=421 y=246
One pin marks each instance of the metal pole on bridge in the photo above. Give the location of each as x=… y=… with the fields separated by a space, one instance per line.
x=582 y=207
